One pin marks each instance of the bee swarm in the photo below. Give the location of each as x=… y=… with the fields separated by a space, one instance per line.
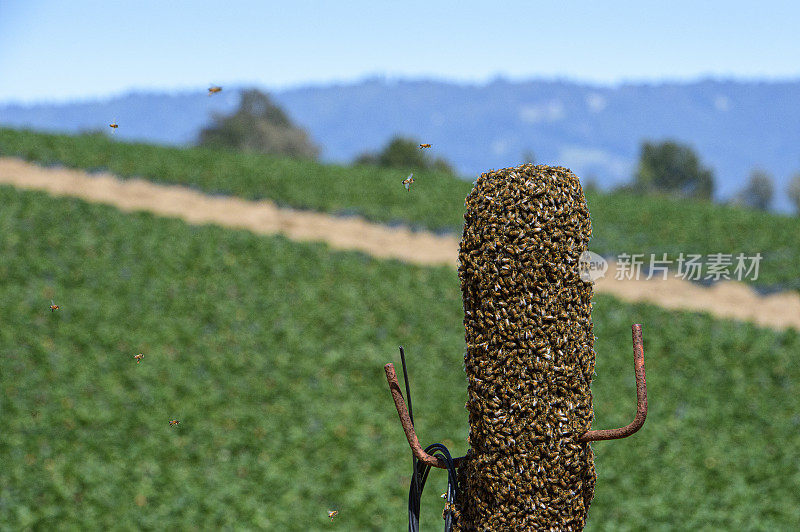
x=529 y=357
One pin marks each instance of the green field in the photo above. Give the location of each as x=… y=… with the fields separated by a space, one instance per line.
x=270 y=354
x=622 y=223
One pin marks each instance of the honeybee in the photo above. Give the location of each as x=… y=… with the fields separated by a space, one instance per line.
x=407 y=181
x=53 y=306
x=447 y=509
x=332 y=514
x=113 y=125
x=174 y=422
x=424 y=146
x=138 y=357
x=213 y=89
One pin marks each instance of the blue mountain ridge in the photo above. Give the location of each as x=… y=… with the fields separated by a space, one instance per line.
x=595 y=130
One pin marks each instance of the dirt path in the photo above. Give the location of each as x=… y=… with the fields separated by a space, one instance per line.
x=726 y=300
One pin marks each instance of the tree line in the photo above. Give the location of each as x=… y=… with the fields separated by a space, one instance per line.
x=675 y=169
x=666 y=167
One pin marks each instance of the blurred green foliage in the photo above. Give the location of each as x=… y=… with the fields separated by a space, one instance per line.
x=622 y=222
x=376 y=194
x=258 y=125
x=270 y=353
x=673 y=168
x=405 y=154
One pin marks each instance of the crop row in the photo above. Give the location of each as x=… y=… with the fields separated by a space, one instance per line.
x=623 y=224
x=270 y=354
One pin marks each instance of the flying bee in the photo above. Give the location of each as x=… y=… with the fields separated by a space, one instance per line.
x=139 y=358
x=53 y=306
x=407 y=181
x=174 y=422
x=113 y=125
x=213 y=89
x=424 y=146
x=332 y=514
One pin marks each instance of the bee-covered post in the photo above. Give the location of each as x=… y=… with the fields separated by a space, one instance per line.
x=529 y=354
x=529 y=358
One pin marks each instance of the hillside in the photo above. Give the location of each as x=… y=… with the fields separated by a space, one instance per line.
x=621 y=223
x=595 y=130
x=270 y=354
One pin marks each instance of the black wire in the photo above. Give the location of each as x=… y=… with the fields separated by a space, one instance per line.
x=413 y=504
x=420 y=472
x=414 y=495
x=405 y=379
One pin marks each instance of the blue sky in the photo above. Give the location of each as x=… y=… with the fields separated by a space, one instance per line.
x=65 y=50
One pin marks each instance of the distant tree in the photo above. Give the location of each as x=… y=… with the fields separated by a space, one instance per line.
x=794 y=192
x=258 y=125
x=673 y=168
x=402 y=152
x=589 y=184
x=758 y=192
x=367 y=158
x=528 y=157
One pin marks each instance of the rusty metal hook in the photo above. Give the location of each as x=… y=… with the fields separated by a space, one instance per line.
x=641 y=397
x=588 y=436
x=408 y=426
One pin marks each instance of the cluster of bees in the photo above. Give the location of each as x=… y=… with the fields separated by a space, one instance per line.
x=213 y=89
x=530 y=352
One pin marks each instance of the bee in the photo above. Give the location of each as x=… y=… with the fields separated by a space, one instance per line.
x=138 y=357
x=53 y=306
x=424 y=146
x=407 y=181
x=213 y=89
x=448 y=508
x=174 y=422
x=113 y=125
x=332 y=514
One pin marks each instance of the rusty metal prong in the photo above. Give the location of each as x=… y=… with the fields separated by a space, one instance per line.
x=641 y=397
x=408 y=426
